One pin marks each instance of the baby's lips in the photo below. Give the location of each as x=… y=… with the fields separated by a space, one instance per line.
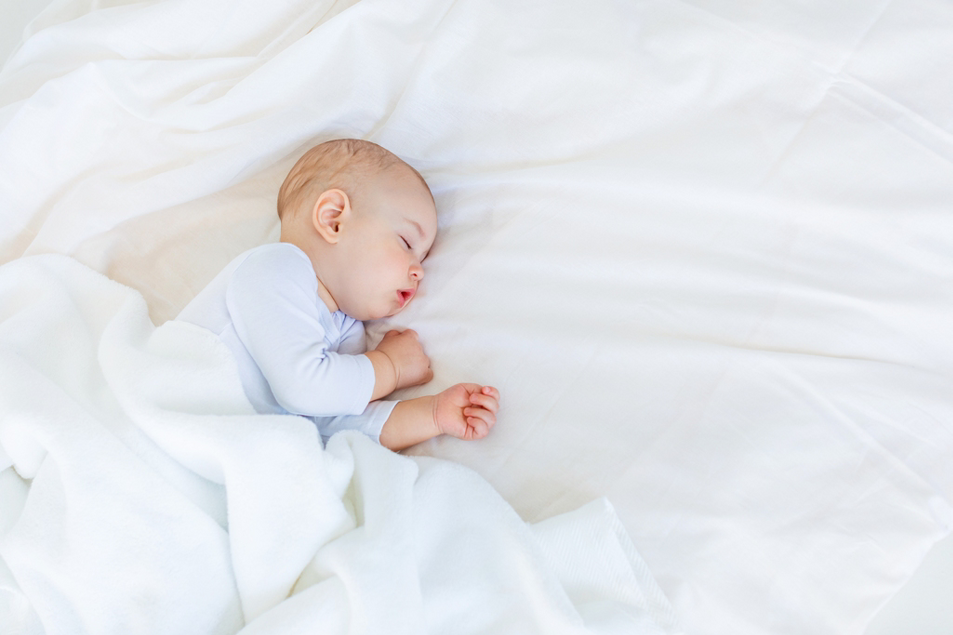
x=404 y=296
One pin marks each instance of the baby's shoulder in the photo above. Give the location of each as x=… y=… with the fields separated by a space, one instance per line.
x=274 y=255
x=275 y=268
x=274 y=259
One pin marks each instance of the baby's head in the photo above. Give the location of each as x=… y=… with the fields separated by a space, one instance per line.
x=365 y=218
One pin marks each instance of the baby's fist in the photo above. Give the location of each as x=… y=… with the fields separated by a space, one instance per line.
x=411 y=364
x=466 y=411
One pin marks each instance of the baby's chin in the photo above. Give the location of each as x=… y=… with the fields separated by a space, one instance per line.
x=394 y=312
x=365 y=314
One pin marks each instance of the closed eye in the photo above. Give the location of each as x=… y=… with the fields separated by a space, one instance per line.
x=407 y=244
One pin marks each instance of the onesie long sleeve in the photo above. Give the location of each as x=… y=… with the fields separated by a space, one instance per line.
x=294 y=355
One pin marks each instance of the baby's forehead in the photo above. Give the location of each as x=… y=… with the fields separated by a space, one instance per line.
x=401 y=197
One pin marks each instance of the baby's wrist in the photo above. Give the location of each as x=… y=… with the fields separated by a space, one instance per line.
x=394 y=369
x=434 y=414
x=385 y=373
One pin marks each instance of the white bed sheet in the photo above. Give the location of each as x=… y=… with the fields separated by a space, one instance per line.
x=702 y=249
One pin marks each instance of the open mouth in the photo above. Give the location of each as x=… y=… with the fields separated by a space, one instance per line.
x=404 y=296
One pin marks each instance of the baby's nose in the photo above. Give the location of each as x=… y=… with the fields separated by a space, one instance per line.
x=416 y=272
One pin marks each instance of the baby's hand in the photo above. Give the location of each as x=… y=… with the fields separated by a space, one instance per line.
x=411 y=364
x=466 y=411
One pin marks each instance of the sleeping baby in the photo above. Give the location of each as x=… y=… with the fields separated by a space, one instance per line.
x=356 y=225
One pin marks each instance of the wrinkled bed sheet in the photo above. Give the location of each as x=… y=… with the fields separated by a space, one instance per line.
x=702 y=249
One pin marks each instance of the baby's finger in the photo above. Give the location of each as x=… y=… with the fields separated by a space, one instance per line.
x=491 y=391
x=485 y=401
x=478 y=426
x=480 y=413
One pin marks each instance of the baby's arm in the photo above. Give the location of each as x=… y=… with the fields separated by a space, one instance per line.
x=465 y=411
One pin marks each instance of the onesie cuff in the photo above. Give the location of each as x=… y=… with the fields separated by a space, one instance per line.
x=377 y=414
x=370 y=422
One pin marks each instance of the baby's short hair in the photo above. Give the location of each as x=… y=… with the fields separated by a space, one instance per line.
x=340 y=164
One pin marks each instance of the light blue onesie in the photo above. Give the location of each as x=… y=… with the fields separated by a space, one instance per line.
x=294 y=355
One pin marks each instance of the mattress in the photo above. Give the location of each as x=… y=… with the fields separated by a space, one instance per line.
x=702 y=249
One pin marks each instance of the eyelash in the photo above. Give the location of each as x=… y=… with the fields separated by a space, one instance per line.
x=405 y=242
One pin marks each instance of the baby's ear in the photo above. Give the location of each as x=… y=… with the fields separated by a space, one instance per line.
x=331 y=210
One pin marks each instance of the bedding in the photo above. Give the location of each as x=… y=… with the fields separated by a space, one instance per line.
x=703 y=249
x=149 y=497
